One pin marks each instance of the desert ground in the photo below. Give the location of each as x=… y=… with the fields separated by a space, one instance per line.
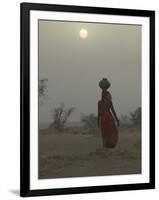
x=74 y=152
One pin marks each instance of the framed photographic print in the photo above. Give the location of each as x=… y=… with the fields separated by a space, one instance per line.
x=87 y=99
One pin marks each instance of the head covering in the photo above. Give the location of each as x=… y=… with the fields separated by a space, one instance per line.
x=104 y=84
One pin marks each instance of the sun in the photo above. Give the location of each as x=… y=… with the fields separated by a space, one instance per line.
x=83 y=33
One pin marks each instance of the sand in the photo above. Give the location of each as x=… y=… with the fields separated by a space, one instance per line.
x=75 y=153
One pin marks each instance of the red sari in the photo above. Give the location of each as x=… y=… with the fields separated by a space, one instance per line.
x=108 y=128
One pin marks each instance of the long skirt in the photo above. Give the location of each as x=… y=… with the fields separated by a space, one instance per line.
x=109 y=131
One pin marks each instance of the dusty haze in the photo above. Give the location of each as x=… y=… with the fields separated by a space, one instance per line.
x=74 y=66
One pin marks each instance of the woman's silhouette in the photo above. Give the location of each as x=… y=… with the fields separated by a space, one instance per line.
x=107 y=116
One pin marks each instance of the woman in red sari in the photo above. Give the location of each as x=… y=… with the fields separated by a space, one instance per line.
x=107 y=116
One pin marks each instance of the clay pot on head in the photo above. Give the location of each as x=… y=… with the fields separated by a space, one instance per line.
x=104 y=84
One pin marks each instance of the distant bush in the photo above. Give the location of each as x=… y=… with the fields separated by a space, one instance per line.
x=89 y=122
x=135 y=117
x=60 y=116
x=125 y=121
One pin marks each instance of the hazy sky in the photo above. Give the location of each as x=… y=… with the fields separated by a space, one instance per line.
x=74 y=66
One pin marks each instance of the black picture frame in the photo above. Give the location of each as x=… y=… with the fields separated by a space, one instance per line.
x=25 y=9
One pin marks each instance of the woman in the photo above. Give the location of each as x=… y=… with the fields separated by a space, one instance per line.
x=106 y=116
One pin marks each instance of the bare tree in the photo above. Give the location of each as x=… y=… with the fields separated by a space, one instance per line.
x=42 y=90
x=60 y=116
x=42 y=87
